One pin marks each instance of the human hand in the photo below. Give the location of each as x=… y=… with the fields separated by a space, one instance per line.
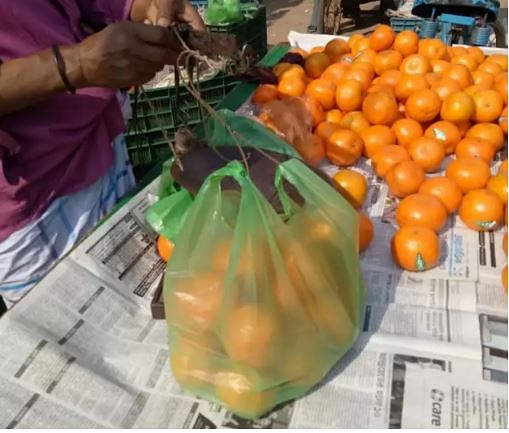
x=166 y=12
x=124 y=54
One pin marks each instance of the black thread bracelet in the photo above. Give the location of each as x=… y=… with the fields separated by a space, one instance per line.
x=59 y=61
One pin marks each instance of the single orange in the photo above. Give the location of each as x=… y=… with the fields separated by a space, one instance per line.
x=406 y=42
x=325 y=129
x=439 y=66
x=504 y=243
x=366 y=66
x=390 y=78
x=409 y=84
x=315 y=110
x=382 y=38
x=365 y=56
x=476 y=147
x=316 y=64
x=504 y=279
x=427 y=152
x=407 y=130
x=352 y=40
x=387 y=60
x=404 y=178
x=336 y=48
x=463 y=127
x=467 y=60
x=376 y=137
x=459 y=73
x=445 y=87
x=503 y=167
x=502 y=121
x=165 y=248
x=481 y=210
x=312 y=150
x=365 y=231
x=433 y=49
x=335 y=72
x=483 y=79
x=323 y=91
x=471 y=90
x=499 y=59
x=491 y=67
x=380 y=108
x=456 y=51
x=317 y=49
x=355 y=121
x=445 y=132
x=458 y=107
x=445 y=190
x=477 y=53
x=488 y=105
x=349 y=95
x=490 y=132
x=334 y=115
x=361 y=45
x=501 y=86
x=265 y=93
x=498 y=184
x=468 y=173
x=423 y=105
x=415 y=64
x=415 y=249
x=388 y=156
x=289 y=71
x=344 y=148
x=353 y=186
x=359 y=74
x=433 y=77
x=292 y=86
x=421 y=210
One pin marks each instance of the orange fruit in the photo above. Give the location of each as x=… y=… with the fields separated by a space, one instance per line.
x=355 y=121
x=317 y=49
x=387 y=60
x=488 y=105
x=375 y=137
x=415 y=64
x=165 y=248
x=501 y=86
x=404 y=178
x=456 y=51
x=315 y=110
x=388 y=156
x=390 y=78
x=415 y=249
x=502 y=121
x=196 y=300
x=483 y=79
x=458 y=107
x=349 y=95
x=490 y=132
x=379 y=88
x=323 y=91
x=481 y=210
x=459 y=73
x=473 y=89
x=466 y=60
x=463 y=126
x=427 y=152
x=477 y=54
x=353 y=186
x=366 y=66
x=406 y=130
x=361 y=45
x=335 y=49
x=406 y=42
x=316 y=64
x=503 y=167
x=188 y=361
x=239 y=390
x=421 y=210
x=250 y=335
x=292 y=86
x=365 y=231
x=382 y=38
x=498 y=184
x=491 y=67
x=325 y=129
x=432 y=49
x=409 y=84
x=380 y=108
x=300 y=51
x=445 y=87
x=439 y=66
x=335 y=72
x=504 y=243
x=352 y=40
x=476 y=147
x=334 y=115
x=445 y=190
x=499 y=59
x=365 y=56
x=468 y=173
x=265 y=93
x=423 y=105
x=288 y=70
x=446 y=133
x=344 y=147
x=433 y=77
x=359 y=74
x=313 y=151
x=504 y=278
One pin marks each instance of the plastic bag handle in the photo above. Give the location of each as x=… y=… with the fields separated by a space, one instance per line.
x=233 y=169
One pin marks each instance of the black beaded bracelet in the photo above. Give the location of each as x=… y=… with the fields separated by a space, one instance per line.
x=59 y=61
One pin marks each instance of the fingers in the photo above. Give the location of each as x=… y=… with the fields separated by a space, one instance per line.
x=192 y=17
x=155 y=54
x=162 y=12
x=154 y=34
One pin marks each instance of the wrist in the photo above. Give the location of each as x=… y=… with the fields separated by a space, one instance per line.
x=74 y=71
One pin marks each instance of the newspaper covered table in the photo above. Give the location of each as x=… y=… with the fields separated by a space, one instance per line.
x=82 y=351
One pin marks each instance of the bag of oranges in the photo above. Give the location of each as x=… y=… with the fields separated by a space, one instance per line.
x=260 y=306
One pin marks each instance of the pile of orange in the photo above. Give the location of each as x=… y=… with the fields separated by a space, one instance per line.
x=414 y=107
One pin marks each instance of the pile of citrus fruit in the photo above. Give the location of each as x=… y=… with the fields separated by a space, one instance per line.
x=432 y=119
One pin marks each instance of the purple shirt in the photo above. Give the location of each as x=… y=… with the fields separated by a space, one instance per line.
x=63 y=144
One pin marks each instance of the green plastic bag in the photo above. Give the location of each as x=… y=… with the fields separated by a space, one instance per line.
x=260 y=306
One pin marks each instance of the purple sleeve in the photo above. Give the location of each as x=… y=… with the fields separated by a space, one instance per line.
x=104 y=12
